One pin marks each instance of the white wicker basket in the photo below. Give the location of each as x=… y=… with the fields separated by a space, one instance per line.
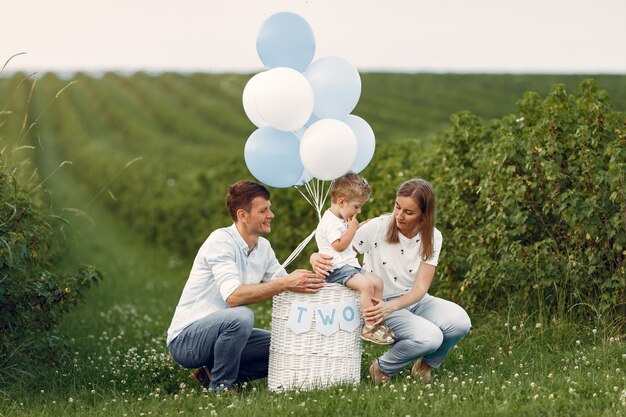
x=312 y=360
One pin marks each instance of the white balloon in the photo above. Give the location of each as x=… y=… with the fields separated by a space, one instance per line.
x=249 y=100
x=328 y=149
x=365 y=142
x=284 y=99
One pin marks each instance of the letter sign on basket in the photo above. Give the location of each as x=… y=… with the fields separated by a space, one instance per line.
x=329 y=318
x=349 y=319
x=300 y=318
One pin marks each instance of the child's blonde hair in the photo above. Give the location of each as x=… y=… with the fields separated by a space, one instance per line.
x=350 y=186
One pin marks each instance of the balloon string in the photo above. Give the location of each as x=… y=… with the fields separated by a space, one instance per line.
x=317 y=196
x=311 y=191
x=295 y=253
x=305 y=197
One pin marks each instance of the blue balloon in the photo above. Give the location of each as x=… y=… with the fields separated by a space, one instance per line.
x=306 y=177
x=286 y=40
x=365 y=142
x=273 y=157
x=336 y=87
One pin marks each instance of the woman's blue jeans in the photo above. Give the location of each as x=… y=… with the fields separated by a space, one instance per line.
x=227 y=344
x=427 y=329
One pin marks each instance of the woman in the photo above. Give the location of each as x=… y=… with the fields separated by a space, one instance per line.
x=403 y=248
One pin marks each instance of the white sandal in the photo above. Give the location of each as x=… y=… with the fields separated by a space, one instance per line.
x=381 y=334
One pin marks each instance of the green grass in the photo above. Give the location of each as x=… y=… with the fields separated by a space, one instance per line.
x=118 y=365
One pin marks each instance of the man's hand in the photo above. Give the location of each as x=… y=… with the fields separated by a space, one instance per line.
x=302 y=280
x=322 y=264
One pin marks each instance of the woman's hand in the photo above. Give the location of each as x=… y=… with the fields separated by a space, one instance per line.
x=376 y=314
x=322 y=264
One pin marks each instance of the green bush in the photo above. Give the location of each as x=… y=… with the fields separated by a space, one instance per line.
x=34 y=292
x=32 y=295
x=533 y=206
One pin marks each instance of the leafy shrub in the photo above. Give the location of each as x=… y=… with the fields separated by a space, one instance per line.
x=34 y=293
x=533 y=206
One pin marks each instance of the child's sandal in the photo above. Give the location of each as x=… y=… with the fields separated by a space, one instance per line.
x=377 y=334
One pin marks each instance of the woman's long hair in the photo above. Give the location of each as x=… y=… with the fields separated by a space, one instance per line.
x=422 y=193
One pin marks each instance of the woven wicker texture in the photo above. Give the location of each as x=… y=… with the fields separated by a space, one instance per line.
x=312 y=360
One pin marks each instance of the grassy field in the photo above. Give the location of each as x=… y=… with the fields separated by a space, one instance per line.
x=117 y=362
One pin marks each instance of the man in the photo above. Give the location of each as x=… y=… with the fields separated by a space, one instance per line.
x=212 y=328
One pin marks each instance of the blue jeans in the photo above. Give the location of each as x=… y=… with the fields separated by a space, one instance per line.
x=343 y=274
x=427 y=329
x=227 y=344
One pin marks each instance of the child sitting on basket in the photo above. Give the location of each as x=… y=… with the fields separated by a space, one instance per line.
x=334 y=236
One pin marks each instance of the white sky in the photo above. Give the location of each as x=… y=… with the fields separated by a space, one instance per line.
x=571 y=36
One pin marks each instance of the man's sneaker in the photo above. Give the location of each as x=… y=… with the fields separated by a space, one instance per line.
x=377 y=376
x=203 y=376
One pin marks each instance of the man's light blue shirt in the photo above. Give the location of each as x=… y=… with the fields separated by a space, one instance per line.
x=222 y=264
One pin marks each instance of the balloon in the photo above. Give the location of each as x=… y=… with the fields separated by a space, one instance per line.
x=249 y=100
x=312 y=119
x=328 y=149
x=284 y=99
x=300 y=132
x=306 y=177
x=286 y=40
x=273 y=157
x=336 y=86
x=365 y=142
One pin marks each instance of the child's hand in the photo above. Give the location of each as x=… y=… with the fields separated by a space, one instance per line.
x=353 y=223
x=322 y=264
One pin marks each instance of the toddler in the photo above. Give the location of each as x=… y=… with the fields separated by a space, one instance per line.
x=334 y=236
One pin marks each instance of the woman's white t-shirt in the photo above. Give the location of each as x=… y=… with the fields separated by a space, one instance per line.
x=396 y=264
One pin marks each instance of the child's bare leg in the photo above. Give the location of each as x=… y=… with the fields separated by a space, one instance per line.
x=365 y=287
x=377 y=282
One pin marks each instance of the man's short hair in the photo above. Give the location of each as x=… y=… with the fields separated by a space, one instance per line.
x=241 y=194
x=350 y=186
